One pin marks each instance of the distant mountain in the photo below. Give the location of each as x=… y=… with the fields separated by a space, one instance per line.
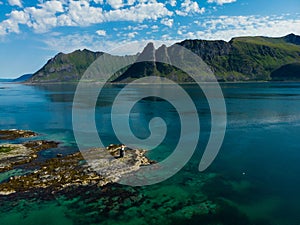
x=22 y=78
x=65 y=67
x=70 y=67
x=240 y=59
x=5 y=80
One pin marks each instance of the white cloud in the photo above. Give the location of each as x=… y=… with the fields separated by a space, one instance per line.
x=189 y=7
x=137 y=27
x=43 y=17
x=80 y=13
x=165 y=37
x=19 y=17
x=226 y=27
x=167 y=22
x=182 y=30
x=98 y=1
x=139 y=13
x=130 y=2
x=58 y=13
x=197 y=22
x=15 y=2
x=132 y=34
x=55 y=34
x=221 y=2
x=40 y=18
x=69 y=43
x=173 y=3
x=116 y=4
x=101 y=32
x=1 y=3
x=140 y=27
x=12 y=25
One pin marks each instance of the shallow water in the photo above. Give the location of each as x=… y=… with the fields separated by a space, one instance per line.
x=254 y=178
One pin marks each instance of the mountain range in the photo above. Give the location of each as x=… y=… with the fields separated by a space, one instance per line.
x=20 y=79
x=241 y=59
x=23 y=78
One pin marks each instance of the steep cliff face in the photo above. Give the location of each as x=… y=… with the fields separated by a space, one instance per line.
x=154 y=62
x=208 y=50
x=145 y=66
x=247 y=58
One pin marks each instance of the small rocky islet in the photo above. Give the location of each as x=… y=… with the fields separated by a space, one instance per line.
x=55 y=174
x=15 y=134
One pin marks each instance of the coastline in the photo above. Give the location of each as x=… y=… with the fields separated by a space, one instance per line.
x=164 y=83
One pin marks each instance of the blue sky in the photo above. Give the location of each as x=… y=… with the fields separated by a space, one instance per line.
x=31 y=32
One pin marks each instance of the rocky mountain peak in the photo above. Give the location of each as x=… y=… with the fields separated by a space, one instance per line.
x=162 y=55
x=292 y=38
x=148 y=54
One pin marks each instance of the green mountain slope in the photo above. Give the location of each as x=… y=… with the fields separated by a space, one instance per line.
x=241 y=59
x=287 y=72
x=247 y=58
x=65 y=67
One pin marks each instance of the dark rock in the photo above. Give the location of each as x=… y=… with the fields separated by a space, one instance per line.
x=287 y=72
x=57 y=174
x=14 y=134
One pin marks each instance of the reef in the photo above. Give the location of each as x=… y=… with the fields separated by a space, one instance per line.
x=64 y=171
x=12 y=155
x=15 y=134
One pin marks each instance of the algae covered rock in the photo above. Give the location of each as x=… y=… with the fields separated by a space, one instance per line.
x=15 y=134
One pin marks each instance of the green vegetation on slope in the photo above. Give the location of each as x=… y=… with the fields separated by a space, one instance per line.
x=66 y=67
x=258 y=57
x=5 y=149
x=247 y=58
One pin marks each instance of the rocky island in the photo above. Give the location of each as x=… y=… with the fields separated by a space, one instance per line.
x=64 y=171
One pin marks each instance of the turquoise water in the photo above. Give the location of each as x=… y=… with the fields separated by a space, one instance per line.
x=254 y=179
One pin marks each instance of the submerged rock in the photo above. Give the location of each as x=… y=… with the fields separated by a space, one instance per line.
x=57 y=174
x=15 y=134
x=12 y=155
x=98 y=167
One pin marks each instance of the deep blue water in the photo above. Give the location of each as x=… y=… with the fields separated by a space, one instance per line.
x=259 y=158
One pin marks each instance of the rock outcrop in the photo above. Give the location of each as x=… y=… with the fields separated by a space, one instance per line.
x=12 y=155
x=14 y=134
x=64 y=171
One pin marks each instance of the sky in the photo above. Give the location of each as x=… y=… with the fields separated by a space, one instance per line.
x=33 y=31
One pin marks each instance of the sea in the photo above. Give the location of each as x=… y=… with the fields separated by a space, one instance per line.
x=254 y=179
